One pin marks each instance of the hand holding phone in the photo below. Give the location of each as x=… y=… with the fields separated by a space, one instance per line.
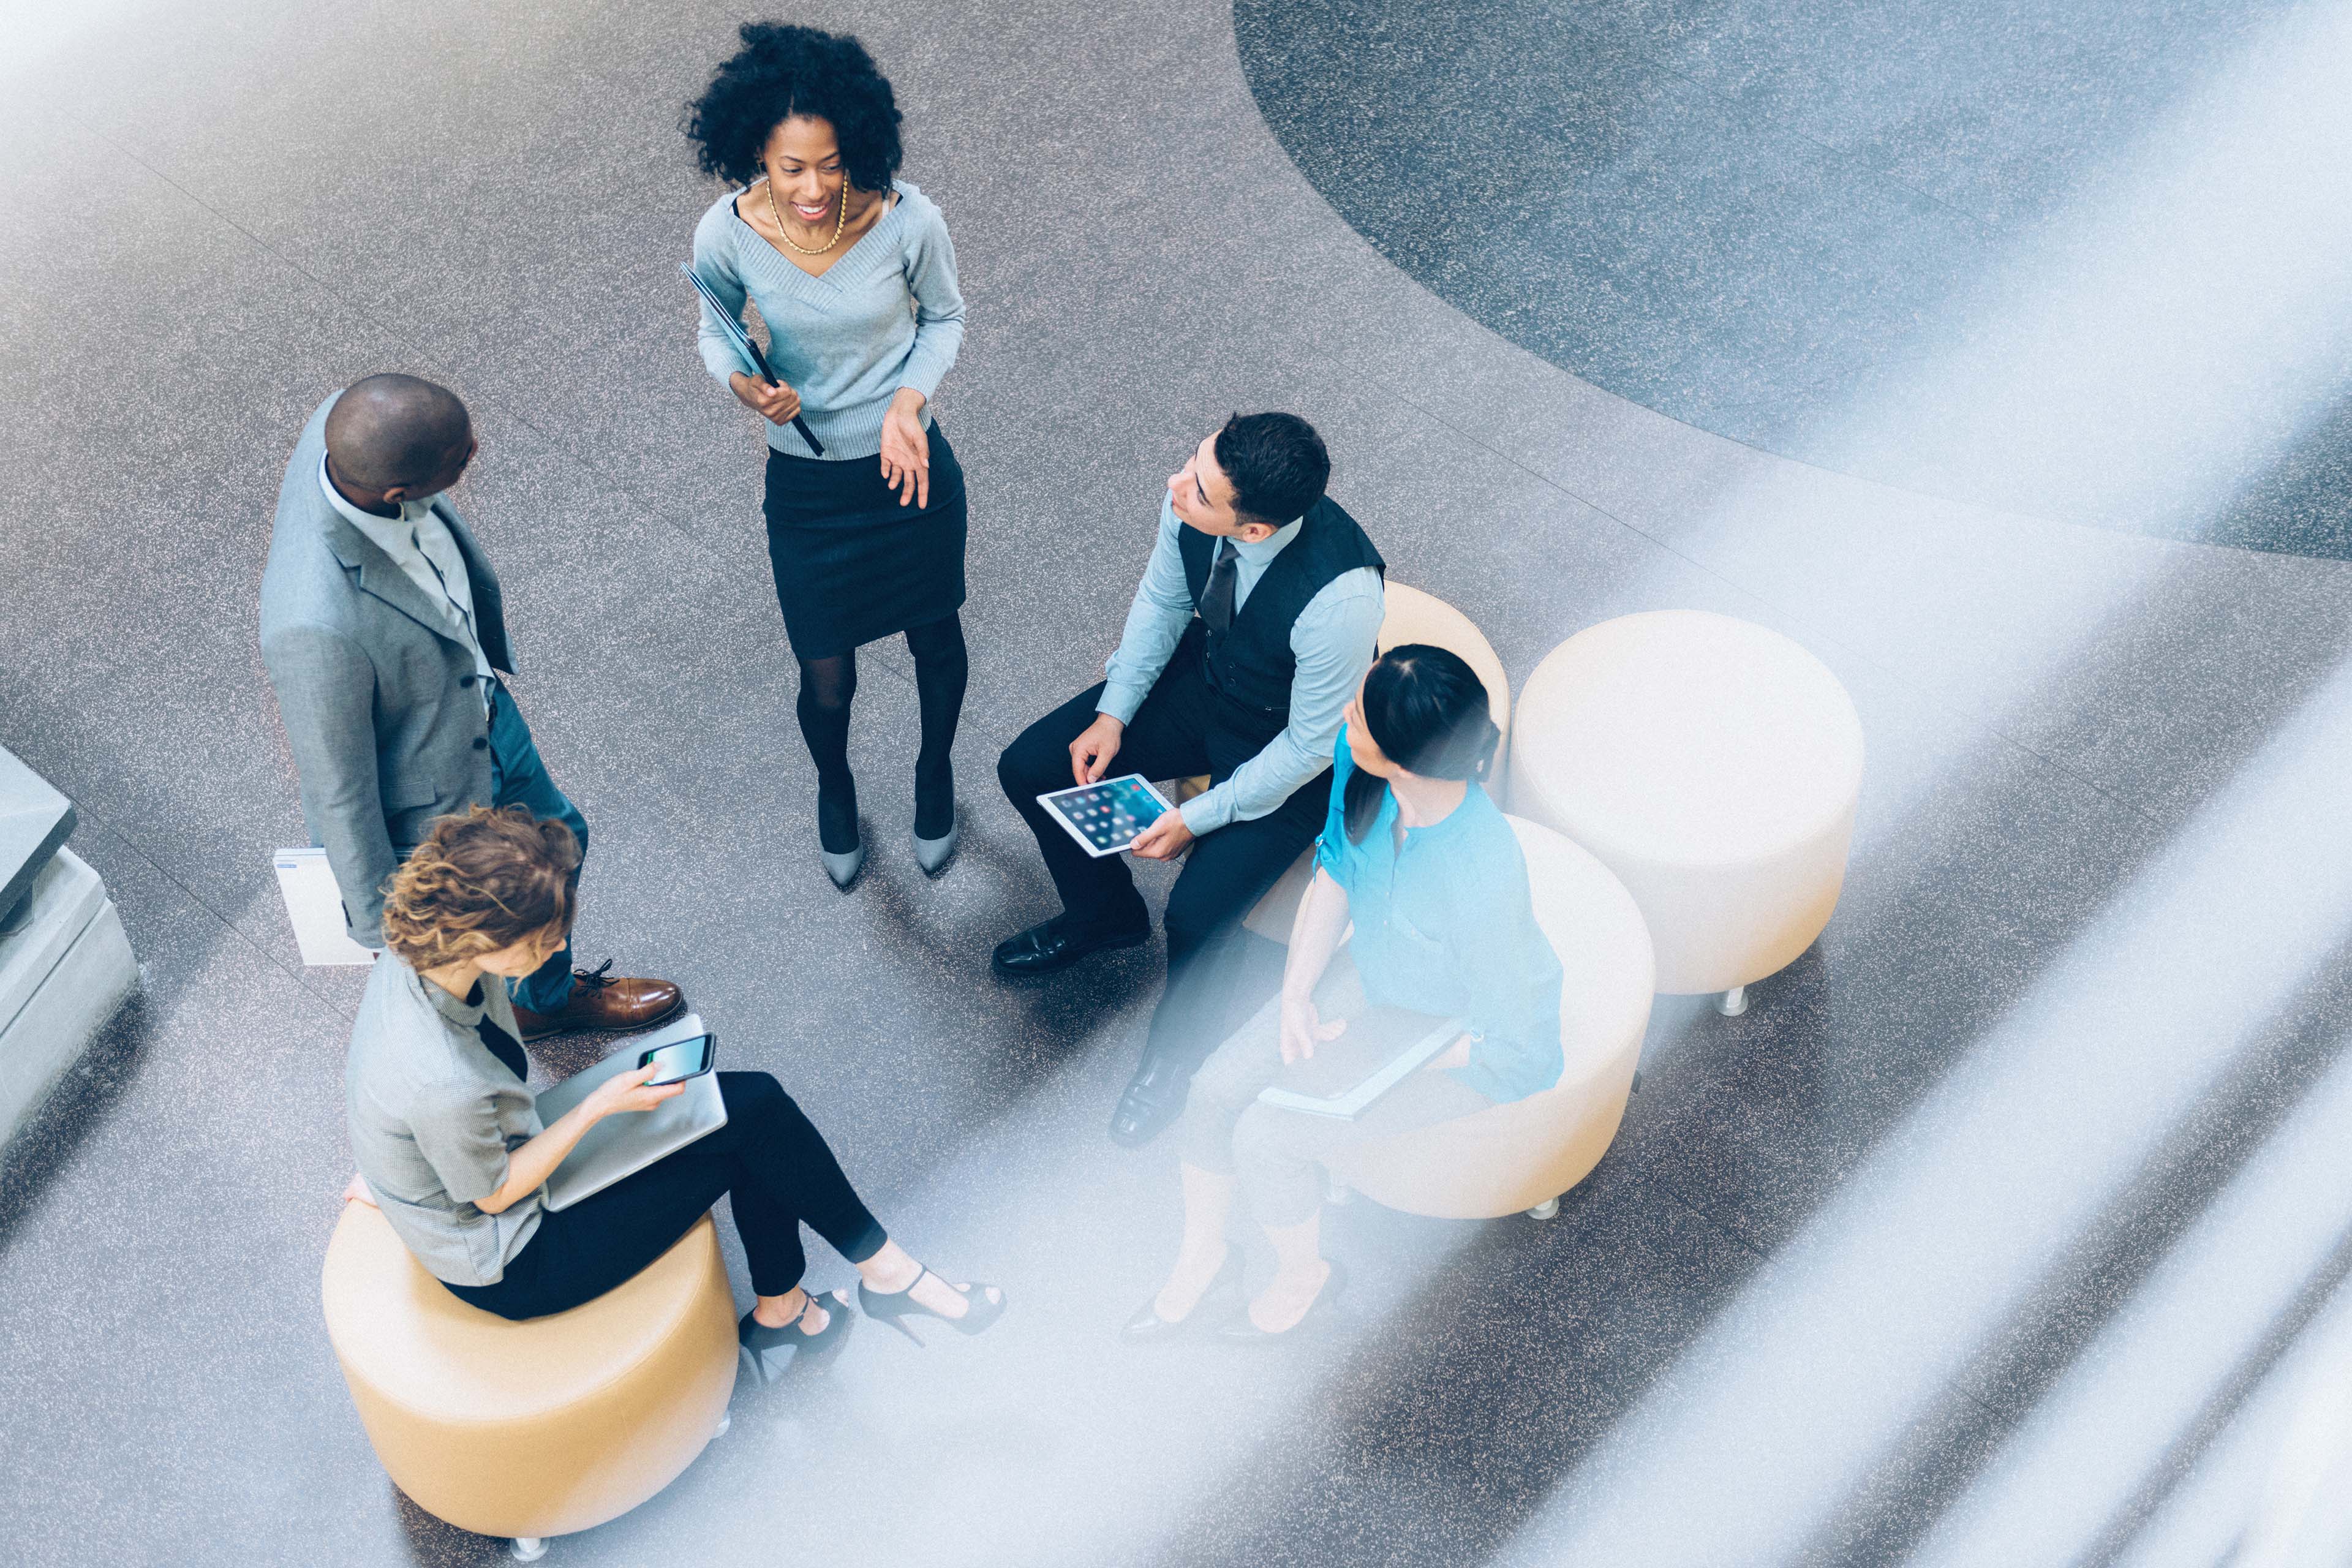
x=628 y=1091
x=680 y=1059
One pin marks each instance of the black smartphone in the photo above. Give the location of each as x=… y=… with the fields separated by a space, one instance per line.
x=681 y=1059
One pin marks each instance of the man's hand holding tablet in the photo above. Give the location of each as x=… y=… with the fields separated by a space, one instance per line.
x=1164 y=839
x=1112 y=816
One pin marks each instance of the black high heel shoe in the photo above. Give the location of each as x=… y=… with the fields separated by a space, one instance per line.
x=1149 y=1328
x=808 y=1351
x=1241 y=1332
x=898 y=1305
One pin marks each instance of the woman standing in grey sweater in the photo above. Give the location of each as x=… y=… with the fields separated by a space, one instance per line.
x=852 y=270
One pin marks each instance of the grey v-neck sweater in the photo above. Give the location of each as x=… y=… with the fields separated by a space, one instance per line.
x=888 y=314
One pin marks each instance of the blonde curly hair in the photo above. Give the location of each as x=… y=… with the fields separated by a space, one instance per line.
x=482 y=880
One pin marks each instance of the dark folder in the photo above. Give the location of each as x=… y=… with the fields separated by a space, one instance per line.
x=753 y=358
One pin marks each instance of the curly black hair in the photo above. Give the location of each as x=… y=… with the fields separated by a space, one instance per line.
x=783 y=70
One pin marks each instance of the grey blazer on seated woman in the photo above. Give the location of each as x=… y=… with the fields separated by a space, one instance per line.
x=435 y=1091
x=380 y=696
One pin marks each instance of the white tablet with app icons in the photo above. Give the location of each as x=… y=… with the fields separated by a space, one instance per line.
x=1107 y=817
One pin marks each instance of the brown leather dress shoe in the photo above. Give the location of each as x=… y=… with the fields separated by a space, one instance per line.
x=603 y=1002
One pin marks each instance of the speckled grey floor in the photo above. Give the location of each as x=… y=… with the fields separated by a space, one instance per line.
x=1860 y=1261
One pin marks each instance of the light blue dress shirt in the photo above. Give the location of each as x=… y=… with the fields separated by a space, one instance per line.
x=1332 y=640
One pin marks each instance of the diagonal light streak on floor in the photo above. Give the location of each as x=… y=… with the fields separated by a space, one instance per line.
x=1748 y=1444
x=2277 y=1485
x=2134 y=1391
x=2172 y=328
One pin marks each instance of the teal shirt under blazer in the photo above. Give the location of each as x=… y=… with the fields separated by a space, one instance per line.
x=382 y=704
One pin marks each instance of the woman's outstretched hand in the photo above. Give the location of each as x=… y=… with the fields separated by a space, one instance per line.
x=776 y=403
x=907 y=449
x=1302 y=1028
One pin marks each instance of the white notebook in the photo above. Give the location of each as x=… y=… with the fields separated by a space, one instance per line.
x=1345 y=1076
x=315 y=907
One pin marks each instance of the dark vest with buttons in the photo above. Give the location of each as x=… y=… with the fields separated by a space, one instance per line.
x=1251 y=666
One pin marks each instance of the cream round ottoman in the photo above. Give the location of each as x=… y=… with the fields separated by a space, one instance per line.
x=1409 y=616
x=1525 y=1154
x=1715 y=766
x=534 y=1428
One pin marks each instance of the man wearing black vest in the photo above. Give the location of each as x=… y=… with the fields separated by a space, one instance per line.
x=1255 y=621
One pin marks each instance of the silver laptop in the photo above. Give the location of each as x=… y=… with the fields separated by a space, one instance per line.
x=623 y=1146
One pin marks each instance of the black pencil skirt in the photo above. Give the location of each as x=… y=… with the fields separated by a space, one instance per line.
x=851 y=563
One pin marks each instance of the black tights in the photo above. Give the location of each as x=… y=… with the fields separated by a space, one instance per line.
x=828 y=687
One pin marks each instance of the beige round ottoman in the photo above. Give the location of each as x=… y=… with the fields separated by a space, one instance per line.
x=1409 y=616
x=534 y=1428
x=1525 y=1154
x=1715 y=766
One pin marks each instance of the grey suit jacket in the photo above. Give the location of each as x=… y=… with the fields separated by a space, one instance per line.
x=380 y=699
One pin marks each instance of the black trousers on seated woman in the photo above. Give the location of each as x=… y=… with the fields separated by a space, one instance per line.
x=769 y=1158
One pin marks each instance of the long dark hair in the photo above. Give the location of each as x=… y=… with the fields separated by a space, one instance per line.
x=1427 y=712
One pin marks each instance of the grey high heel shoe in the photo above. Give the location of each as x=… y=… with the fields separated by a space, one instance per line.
x=844 y=869
x=933 y=854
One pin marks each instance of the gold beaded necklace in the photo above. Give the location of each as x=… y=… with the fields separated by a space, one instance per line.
x=838 y=224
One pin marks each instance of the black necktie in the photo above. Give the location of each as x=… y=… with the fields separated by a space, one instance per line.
x=505 y=1046
x=1217 y=600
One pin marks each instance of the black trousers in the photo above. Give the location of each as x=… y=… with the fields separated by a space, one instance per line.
x=1176 y=733
x=768 y=1158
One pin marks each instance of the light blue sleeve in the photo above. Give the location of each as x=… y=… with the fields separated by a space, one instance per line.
x=1155 y=624
x=716 y=263
x=1331 y=845
x=1332 y=641
x=1512 y=976
x=938 y=303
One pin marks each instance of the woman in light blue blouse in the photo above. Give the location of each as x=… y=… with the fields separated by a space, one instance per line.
x=851 y=269
x=1417 y=855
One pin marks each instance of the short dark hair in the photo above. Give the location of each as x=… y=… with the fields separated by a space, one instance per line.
x=783 y=71
x=391 y=429
x=1276 y=463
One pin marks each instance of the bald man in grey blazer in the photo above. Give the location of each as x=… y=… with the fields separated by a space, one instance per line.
x=385 y=633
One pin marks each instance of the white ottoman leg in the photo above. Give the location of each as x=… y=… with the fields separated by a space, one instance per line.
x=1732 y=1003
x=1544 y=1210
x=528 y=1548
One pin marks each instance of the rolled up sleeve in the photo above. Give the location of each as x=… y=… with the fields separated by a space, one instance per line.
x=1155 y=624
x=1332 y=641
x=1513 y=979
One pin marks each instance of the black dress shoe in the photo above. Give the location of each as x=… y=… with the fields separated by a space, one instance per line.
x=1154 y=1097
x=1149 y=1328
x=1049 y=945
x=1319 y=1312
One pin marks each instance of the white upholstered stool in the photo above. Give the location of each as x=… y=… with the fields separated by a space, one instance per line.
x=1525 y=1154
x=1715 y=766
